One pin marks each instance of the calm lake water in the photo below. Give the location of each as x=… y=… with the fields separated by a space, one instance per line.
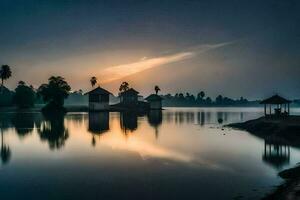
x=179 y=153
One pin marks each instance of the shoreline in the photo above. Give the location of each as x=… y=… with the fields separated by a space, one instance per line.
x=286 y=130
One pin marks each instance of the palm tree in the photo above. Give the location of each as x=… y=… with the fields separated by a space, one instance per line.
x=156 y=88
x=124 y=87
x=5 y=73
x=93 y=81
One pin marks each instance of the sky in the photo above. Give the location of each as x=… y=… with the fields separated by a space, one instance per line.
x=233 y=48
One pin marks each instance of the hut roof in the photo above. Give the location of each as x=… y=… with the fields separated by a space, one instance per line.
x=276 y=99
x=130 y=92
x=98 y=90
x=153 y=97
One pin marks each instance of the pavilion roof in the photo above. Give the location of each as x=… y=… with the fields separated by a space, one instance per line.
x=276 y=99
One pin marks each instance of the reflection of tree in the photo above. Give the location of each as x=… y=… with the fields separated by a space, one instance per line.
x=5 y=150
x=155 y=120
x=23 y=123
x=128 y=121
x=98 y=124
x=53 y=130
x=5 y=123
x=276 y=152
x=201 y=118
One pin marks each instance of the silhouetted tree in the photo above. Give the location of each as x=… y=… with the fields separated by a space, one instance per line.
x=219 y=99
x=124 y=87
x=5 y=73
x=208 y=101
x=93 y=81
x=55 y=92
x=156 y=88
x=6 y=96
x=21 y=83
x=24 y=95
x=202 y=94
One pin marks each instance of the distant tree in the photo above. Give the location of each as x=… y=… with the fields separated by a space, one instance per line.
x=24 y=95
x=6 y=96
x=5 y=73
x=93 y=81
x=192 y=98
x=202 y=94
x=21 y=83
x=124 y=87
x=156 y=88
x=208 y=101
x=55 y=92
x=219 y=99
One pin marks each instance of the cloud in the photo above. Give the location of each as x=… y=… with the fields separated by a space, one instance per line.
x=121 y=71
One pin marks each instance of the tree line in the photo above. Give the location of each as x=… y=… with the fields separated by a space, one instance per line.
x=187 y=99
x=52 y=93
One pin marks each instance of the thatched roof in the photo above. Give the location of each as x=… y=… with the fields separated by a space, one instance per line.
x=276 y=99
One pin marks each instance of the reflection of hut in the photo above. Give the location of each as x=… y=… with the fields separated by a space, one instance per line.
x=282 y=106
x=154 y=102
x=129 y=97
x=98 y=99
x=276 y=152
x=98 y=122
x=155 y=119
x=128 y=121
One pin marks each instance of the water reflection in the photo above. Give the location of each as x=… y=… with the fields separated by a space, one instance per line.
x=53 y=130
x=98 y=124
x=128 y=121
x=23 y=123
x=155 y=120
x=276 y=152
x=5 y=150
x=184 y=142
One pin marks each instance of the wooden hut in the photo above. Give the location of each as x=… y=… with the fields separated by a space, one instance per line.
x=282 y=106
x=129 y=97
x=98 y=99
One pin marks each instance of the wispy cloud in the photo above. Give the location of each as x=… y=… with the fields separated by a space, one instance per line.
x=120 y=71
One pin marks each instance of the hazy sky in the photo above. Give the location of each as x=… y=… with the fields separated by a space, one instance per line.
x=234 y=48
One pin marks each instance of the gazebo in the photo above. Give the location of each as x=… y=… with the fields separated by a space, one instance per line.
x=282 y=106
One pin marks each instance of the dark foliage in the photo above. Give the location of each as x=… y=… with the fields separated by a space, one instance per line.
x=179 y=99
x=24 y=96
x=54 y=92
